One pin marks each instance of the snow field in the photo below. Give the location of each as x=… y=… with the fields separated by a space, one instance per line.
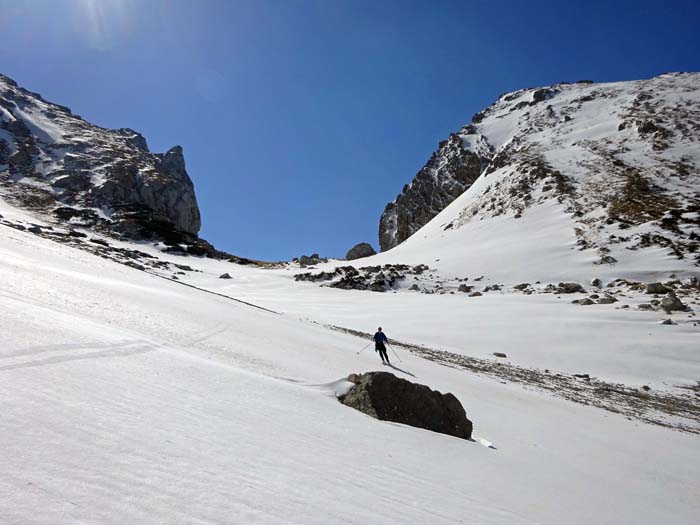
x=127 y=398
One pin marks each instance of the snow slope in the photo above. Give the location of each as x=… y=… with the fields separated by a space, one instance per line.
x=129 y=398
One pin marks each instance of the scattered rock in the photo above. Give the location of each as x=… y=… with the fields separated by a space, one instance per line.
x=464 y=288
x=420 y=268
x=101 y=242
x=500 y=354
x=656 y=288
x=386 y=397
x=586 y=301
x=671 y=303
x=597 y=283
x=135 y=265
x=35 y=230
x=225 y=276
x=359 y=251
x=542 y=94
x=607 y=299
x=585 y=377
x=645 y=306
x=668 y=321
x=569 y=288
x=475 y=294
x=521 y=286
x=374 y=278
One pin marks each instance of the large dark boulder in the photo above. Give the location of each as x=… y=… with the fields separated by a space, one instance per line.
x=359 y=251
x=384 y=396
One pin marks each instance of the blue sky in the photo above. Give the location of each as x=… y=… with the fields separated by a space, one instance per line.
x=300 y=120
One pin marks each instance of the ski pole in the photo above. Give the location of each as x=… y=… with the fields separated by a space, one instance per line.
x=364 y=347
x=392 y=349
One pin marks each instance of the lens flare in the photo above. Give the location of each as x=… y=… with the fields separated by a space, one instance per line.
x=103 y=23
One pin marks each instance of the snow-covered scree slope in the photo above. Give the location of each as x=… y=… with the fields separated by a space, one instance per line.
x=128 y=398
x=54 y=162
x=611 y=170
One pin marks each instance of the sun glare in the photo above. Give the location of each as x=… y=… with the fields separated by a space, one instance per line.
x=103 y=23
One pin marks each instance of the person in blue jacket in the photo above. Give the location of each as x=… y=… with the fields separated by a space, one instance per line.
x=379 y=340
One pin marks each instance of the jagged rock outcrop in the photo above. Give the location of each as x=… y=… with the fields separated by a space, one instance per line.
x=309 y=260
x=55 y=162
x=384 y=396
x=449 y=172
x=359 y=251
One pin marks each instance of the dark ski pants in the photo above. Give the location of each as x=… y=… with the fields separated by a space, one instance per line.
x=379 y=347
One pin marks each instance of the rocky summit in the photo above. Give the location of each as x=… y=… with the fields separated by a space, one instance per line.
x=56 y=163
x=617 y=156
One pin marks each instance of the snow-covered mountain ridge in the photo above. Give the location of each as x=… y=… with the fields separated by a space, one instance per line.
x=56 y=163
x=622 y=159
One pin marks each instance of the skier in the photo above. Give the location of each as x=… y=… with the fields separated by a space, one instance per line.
x=379 y=340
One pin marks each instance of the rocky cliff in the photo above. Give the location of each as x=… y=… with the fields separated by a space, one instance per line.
x=447 y=174
x=56 y=163
x=622 y=153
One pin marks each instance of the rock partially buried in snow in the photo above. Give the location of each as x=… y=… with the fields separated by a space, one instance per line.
x=225 y=276
x=607 y=299
x=384 y=396
x=359 y=251
x=671 y=303
x=656 y=288
x=569 y=288
x=500 y=354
